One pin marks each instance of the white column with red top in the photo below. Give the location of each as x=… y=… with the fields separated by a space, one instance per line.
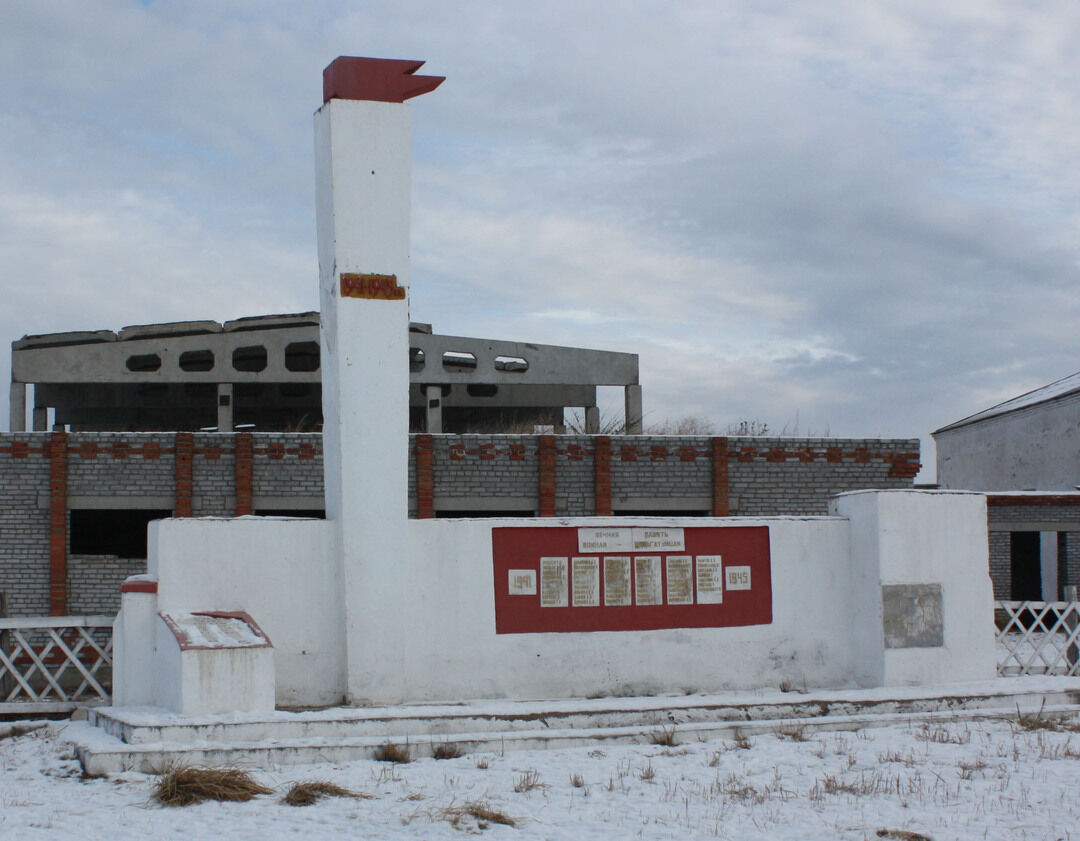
x=363 y=158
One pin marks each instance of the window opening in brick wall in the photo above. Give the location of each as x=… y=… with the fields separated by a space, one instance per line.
x=197 y=360
x=669 y=512
x=302 y=356
x=251 y=358
x=308 y=513
x=144 y=362
x=1025 y=566
x=467 y=515
x=111 y=531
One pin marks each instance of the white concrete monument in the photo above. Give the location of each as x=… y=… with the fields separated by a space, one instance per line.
x=372 y=607
x=363 y=188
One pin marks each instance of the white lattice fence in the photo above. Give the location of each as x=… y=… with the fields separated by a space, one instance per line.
x=54 y=663
x=1038 y=638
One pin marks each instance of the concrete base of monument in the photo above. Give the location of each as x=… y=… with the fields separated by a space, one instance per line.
x=143 y=739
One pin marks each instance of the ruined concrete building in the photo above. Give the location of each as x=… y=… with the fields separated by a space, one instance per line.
x=209 y=419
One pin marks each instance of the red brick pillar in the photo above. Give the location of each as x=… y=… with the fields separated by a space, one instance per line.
x=185 y=451
x=425 y=477
x=58 y=521
x=720 y=505
x=547 y=475
x=243 y=473
x=602 y=475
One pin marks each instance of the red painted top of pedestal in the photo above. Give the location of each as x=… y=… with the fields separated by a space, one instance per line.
x=376 y=79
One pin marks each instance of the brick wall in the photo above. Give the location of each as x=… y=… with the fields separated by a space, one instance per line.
x=1032 y=512
x=288 y=465
x=94 y=581
x=1000 y=564
x=213 y=470
x=43 y=475
x=24 y=524
x=503 y=469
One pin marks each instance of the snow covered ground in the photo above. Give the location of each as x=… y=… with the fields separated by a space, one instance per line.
x=961 y=780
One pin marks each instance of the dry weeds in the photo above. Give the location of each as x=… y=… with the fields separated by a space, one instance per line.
x=187 y=786
x=14 y=731
x=1040 y=721
x=665 y=737
x=390 y=752
x=527 y=782
x=307 y=793
x=476 y=810
x=902 y=835
x=447 y=750
x=942 y=735
x=792 y=732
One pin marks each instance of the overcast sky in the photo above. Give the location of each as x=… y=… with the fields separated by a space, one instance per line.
x=855 y=218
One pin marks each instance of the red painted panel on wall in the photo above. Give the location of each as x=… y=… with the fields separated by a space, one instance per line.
x=630 y=578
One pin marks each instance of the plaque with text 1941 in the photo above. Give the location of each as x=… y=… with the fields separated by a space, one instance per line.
x=625 y=578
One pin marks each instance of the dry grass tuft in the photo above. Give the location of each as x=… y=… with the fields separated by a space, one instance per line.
x=647 y=773
x=902 y=835
x=187 y=786
x=577 y=781
x=942 y=735
x=527 y=782
x=390 y=752
x=665 y=737
x=304 y=794
x=460 y=817
x=794 y=732
x=447 y=750
x=14 y=731
x=1039 y=721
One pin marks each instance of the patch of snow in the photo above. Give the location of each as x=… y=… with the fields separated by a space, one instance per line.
x=958 y=780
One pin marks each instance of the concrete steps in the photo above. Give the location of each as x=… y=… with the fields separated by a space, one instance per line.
x=118 y=739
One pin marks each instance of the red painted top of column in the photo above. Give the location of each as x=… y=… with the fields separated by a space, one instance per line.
x=376 y=79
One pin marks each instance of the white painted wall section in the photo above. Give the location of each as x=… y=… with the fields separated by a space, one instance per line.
x=918 y=538
x=453 y=651
x=280 y=571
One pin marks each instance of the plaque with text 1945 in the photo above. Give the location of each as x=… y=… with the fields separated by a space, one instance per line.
x=627 y=578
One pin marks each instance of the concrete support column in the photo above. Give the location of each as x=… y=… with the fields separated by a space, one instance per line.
x=632 y=397
x=225 y=407
x=41 y=418
x=433 y=409
x=18 y=407
x=592 y=420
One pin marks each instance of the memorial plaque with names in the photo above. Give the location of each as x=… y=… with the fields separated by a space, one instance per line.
x=680 y=583
x=545 y=582
x=617 y=580
x=738 y=578
x=647 y=580
x=605 y=540
x=553 y=589
x=710 y=579
x=659 y=540
x=586 y=582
